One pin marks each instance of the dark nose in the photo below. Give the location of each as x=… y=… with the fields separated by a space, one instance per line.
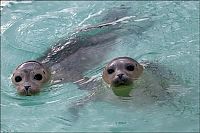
x=27 y=87
x=120 y=75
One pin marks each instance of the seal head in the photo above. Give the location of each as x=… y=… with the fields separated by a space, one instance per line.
x=29 y=77
x=120 y=73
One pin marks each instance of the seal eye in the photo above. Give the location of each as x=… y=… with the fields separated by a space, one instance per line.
x=130 y=67
x=38 y=77
x=18 y=79
x=110 y=71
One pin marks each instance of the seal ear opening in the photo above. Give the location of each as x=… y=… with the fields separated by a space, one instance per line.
x=140 y=69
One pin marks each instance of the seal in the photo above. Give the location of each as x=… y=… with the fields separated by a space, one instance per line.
x=120 y=74
x=29 y=77
x=123 y=78
x=124 y=74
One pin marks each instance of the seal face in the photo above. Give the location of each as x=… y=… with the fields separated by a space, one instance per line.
x=122 y=71
x=29 y=77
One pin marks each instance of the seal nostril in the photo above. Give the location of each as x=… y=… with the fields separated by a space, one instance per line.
x=120 y=75
x=27 y=87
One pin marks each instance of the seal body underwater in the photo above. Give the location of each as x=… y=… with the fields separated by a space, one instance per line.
x=144 y=82
x=124 y=79
x=69 y=58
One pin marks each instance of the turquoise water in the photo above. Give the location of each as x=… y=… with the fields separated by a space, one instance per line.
x=30 y=28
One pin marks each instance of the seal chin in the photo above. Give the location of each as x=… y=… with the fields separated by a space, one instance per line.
x=119 y=83
x=24 y=92
x=27 y=92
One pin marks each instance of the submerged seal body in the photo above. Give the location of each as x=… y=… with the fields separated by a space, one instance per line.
x=123 y=78
x=146 y=80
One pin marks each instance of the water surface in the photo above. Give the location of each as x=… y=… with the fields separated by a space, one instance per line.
x=30 y=28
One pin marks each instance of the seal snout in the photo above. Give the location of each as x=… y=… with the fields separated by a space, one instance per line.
x=120 y=76
x=121 y=79
x=27 y=88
